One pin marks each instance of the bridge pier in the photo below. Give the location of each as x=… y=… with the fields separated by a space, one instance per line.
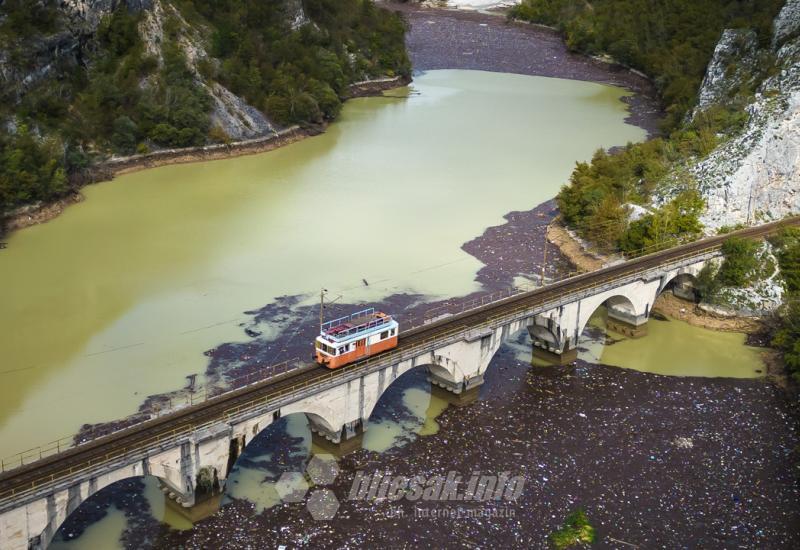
x=461 y=399
x=445 y=382
x=624 y=321
x=340 y=442
x=554 y=356
x=550 y=341
x=205 y=504
x=456 y=371
x=343 y=447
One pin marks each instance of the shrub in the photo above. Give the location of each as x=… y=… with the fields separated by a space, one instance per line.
x=740 y=264
x=576 y=531
x=787 y=337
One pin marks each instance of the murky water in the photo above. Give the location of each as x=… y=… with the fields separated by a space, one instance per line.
x=408 y=410
x=104 y=534
x=670 y=347
x=119 y=297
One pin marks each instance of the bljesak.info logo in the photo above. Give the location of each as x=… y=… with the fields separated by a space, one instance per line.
x=466 y=491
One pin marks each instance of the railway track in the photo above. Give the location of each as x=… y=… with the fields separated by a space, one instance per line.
x=52 y=469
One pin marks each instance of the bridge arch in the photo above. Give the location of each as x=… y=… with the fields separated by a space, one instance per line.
x=65 y=510
x=683 y=282
x=624 y=304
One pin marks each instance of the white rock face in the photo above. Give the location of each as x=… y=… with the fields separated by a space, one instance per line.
x=756 y=176
x=90 y=12
x=296 y=14
x=787 y=24
x=480 y=4
x=736 y=47
x=235 y=116
x=761 y=297
x=238 y=119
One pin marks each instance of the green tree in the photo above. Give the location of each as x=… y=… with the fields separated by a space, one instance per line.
x=787 y=244
x=787 y=337
x=126 y=134
x=740 y=264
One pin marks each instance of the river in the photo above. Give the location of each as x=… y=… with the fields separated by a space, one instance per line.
x=214 y=240
x=239 y=263
x=119 y=297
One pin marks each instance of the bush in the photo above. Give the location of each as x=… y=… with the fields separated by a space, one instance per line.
x=787 y=337
x=707 y=285
x=30 y=170
x=787 y=243
x=576 y=531
x=665 y=227
x=740 y=264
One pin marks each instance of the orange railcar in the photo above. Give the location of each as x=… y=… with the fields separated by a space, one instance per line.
x=351 y=338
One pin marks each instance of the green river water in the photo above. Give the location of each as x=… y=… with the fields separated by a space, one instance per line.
x=119 y=297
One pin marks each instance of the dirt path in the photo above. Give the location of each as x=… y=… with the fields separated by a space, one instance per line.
x=558 y=235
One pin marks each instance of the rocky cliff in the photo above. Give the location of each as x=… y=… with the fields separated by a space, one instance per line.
x=231 y=113
x=72 y=42
x=755 y=176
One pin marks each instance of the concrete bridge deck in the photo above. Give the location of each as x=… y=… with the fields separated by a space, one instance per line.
x=486 y=326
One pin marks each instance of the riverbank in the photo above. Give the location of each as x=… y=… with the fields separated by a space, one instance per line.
x=667 y=304
x=437 y=39
x=572 y=249
x=468 y=39
x=30 y=215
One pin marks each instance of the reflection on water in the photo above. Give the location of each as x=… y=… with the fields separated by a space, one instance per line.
x=158 y=508
x=407 y=410
x=119 y=297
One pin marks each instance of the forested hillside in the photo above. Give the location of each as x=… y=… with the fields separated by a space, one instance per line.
x=672 y=41
x=669 y=40
x=82 y=79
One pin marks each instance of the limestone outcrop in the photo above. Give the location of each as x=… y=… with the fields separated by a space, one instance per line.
x=755 y=176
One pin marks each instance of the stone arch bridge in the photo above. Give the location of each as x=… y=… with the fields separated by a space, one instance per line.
x=192 y=450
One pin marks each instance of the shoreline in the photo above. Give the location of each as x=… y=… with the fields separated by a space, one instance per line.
x=107 y=170
x=470 y=39
x=523 y=48
x=669 y=305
